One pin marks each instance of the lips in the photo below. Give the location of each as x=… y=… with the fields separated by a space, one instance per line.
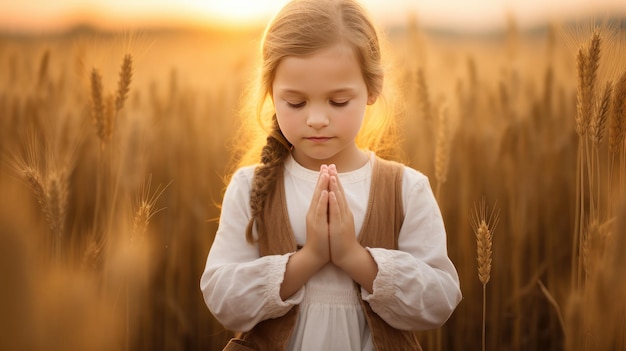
x=318 y=139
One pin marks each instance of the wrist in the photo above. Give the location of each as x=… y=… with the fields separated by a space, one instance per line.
x=312 y=258
x=359 y=264
x=351 y=258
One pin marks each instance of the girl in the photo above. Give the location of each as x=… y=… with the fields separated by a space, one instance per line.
x=324 y=245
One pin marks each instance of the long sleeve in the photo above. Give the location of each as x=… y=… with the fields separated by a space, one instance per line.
x=417 y=286
x=239 y=287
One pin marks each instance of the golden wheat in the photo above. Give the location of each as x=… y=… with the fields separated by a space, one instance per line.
x=598 y=122
x=423 y=96
x=145 y=208
x=484 y=227
x=43 y=69
x=97 y=101
x=617 y=122
x=520 y=151
x=56 y=199
x=123 y=84
x=442 y=149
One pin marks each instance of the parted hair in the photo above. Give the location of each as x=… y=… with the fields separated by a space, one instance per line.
x=300 y=28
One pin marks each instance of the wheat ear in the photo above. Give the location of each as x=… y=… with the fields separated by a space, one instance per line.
x=97 y=102
x=587 y=61
x=617 y=121
x=598 y=122
x=43 y=68
x=442 y=149
x=423 y=95
x=617 y=128
x=145 y=208
x=484 y=227
x=597 y=129
x=123 y=83
x=51 y=193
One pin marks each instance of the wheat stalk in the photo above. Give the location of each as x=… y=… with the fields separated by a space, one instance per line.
x=123 y=83
x=442 y=149
x=587 y=61
x=51 y=193
x=109 y=117
x=423 y=96
x=597 y=129
x=93 y=251
x=617 y=128
x=617 y=122
x=34 y=180
x=43 y=68
x=553 y=302
x=581 y=63
x=56 y=199
x=598 y=122
x=145 y=208
x=484 y=227
x=98 y=109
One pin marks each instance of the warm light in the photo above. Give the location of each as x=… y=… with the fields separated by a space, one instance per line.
x=456 y=14
x=239 y=11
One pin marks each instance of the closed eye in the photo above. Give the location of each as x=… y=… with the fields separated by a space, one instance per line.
x=339 y=103
x=296 y=105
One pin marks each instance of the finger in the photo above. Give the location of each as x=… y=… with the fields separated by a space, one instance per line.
x=322 y=184
x=334 y=208
x=321 y=210
x=332 y=171
x=323 y=179
x=335 y=187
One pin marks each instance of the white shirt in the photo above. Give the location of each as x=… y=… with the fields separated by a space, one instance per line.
x=417 y=286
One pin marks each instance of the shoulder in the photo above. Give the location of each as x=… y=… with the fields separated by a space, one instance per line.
x=244 y=173
x=242 y=178
x=411 y=177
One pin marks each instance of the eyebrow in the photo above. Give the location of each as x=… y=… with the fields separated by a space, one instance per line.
x=332 y=92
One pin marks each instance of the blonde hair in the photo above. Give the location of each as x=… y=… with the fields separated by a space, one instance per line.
x=303 y=27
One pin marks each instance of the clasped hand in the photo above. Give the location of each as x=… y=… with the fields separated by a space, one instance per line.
x=329 y=221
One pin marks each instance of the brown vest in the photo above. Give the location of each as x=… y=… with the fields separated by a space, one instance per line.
x=381 y=227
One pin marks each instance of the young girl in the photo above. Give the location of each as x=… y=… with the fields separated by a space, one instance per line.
x=324 y=245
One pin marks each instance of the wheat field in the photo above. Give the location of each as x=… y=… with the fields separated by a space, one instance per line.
x=115 y=147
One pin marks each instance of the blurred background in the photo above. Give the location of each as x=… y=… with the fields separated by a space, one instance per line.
x=118 y=118
x=38 y=16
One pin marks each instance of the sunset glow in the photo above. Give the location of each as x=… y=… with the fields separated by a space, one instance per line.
x=238 y=11
x=41 y=15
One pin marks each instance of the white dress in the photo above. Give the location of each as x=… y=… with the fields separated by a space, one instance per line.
x=417 y=286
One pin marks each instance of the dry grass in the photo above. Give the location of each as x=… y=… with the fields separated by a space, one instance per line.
x=525 y=127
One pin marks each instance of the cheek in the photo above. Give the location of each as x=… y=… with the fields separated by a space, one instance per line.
x=353 y=119
x=287 y=122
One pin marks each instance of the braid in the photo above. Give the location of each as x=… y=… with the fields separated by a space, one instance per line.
x=273 y=156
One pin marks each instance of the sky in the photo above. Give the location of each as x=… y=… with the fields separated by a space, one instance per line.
x=472 y=15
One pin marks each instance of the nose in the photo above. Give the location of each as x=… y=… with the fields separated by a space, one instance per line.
x=317 y=118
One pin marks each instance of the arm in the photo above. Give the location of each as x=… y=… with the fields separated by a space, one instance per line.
x=417 y=286
x=239 y=287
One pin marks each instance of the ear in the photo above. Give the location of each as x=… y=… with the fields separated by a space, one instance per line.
x=371 y=99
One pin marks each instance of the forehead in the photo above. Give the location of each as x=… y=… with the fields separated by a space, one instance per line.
x=333 y=68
